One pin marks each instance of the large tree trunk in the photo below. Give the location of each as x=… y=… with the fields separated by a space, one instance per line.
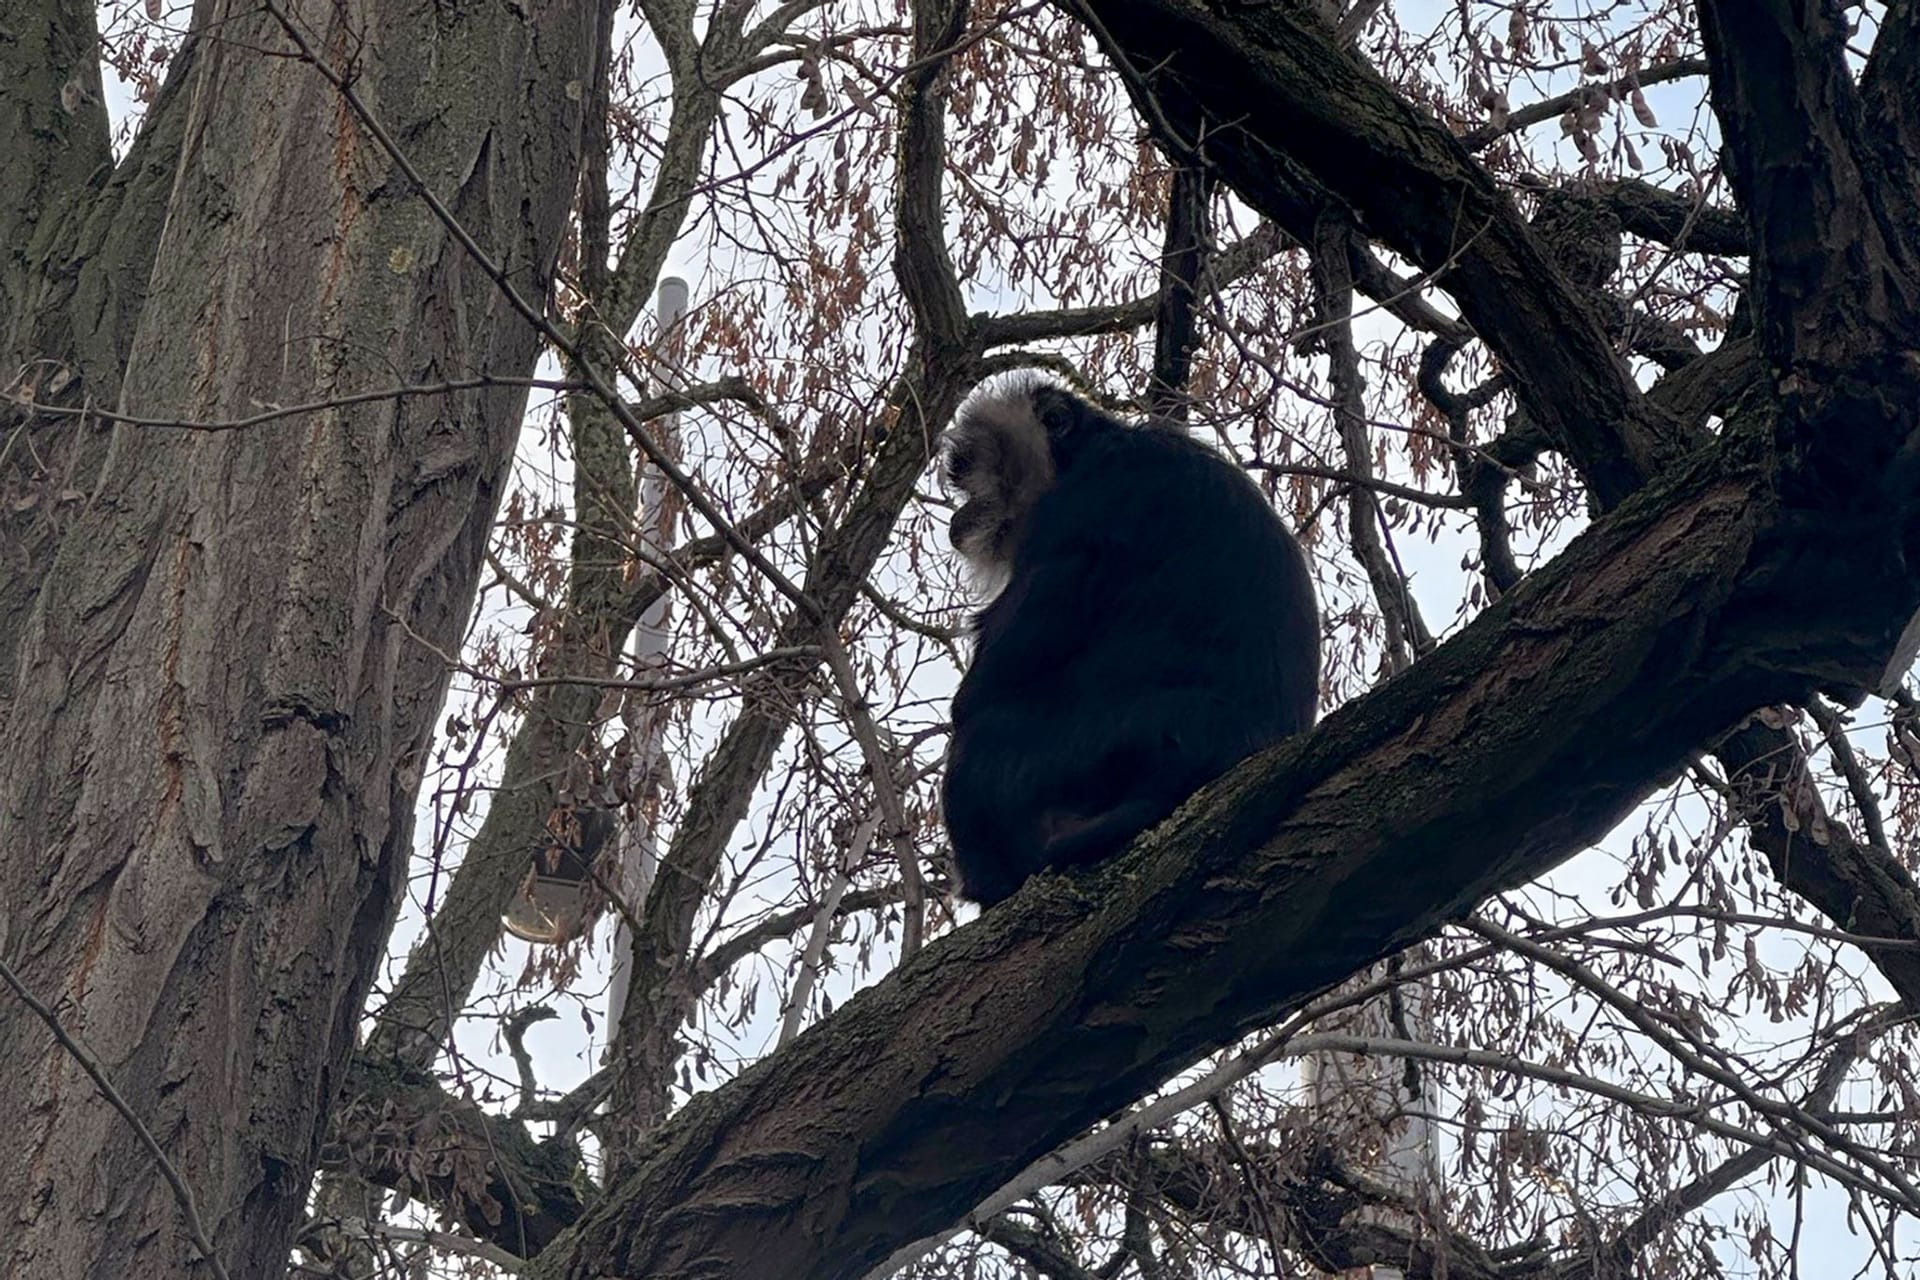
x=232 y=658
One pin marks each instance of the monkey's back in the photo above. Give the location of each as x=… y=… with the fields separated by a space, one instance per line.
x=1172 y=571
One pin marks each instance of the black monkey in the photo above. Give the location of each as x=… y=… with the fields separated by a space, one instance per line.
x=1155 y=625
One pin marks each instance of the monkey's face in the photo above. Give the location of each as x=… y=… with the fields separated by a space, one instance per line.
x=1000 y=460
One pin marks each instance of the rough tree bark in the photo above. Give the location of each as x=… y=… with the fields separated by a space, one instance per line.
x=224 y=649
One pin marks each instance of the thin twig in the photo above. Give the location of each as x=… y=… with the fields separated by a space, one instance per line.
x=182 y=1193
x=1551 y=108
x=810 y=960
x=478 y=383
x=886 y=794
x=1253 y=1181
x=1696 y=1060
x=1858 y=783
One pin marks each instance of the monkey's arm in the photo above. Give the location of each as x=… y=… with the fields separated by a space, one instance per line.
x=1001 y=768
x=1047 y=617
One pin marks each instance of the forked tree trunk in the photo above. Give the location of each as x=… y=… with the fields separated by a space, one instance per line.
x=225 y=659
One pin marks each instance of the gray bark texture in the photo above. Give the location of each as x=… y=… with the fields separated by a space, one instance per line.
x=224 y=649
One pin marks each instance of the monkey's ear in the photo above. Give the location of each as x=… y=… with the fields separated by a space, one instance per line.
x=1060 y=411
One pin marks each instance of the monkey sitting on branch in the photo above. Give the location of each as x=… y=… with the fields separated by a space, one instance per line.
x=1153 y=624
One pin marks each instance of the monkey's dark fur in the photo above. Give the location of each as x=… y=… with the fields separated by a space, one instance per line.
x=1155 y=627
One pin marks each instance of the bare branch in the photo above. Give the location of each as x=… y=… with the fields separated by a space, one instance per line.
x=659 y=995
x=1690 y=1113
x=796 y=1011
x=1406 y=635
x=1483 y=481
x=920 y=260
x=279 y=413
x=1553 y=108
x=1817 y=200
x=515 y=1030
x=784 y=924
x=1268 y=94
x=1183 y=261
x=1671 y=219
x=886 y=793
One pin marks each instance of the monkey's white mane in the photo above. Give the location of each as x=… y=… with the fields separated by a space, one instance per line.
x=997 y=455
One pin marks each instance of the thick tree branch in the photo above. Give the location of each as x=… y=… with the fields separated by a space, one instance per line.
x=702 y=71
x=920 y=259
x=54 y=134
x=1183 y=260
x=1401 y=298
x=1834 y=267
x=1510 y=747
x=1668 y=218
x=277 y=602
x=71 y=346
x=1890 y=90
x=1710 y=385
